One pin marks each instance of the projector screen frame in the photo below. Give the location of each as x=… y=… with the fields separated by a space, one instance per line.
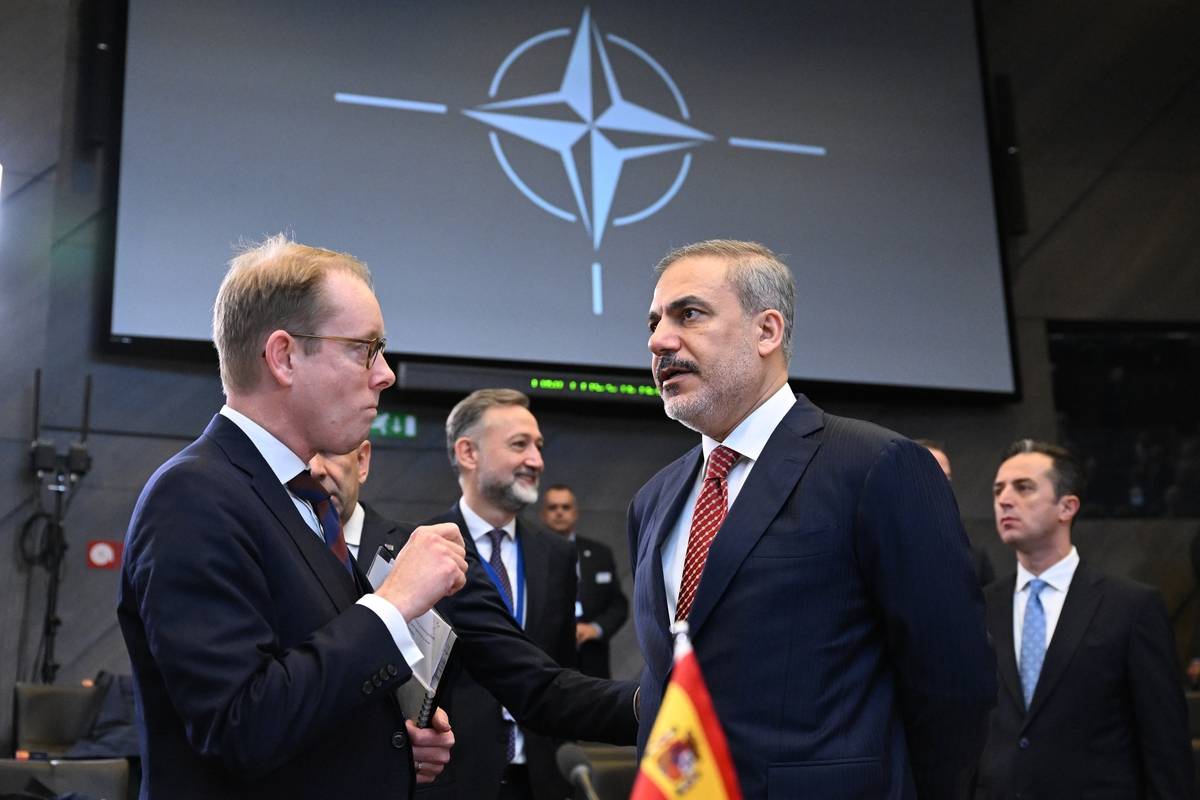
x=435 y=376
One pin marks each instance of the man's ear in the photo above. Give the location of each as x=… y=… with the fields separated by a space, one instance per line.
x=465 y=454
x=364 y=461
x=1068 y=507
x=769 y=325
x=278 y=355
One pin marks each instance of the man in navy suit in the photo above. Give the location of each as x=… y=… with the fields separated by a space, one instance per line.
x=819 y=562
x=1091 y=703
x=263 y=664
x=495 y=448
x=259 y=662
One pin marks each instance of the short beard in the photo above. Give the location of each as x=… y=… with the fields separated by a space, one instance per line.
x=511 y=496
x=720 y=390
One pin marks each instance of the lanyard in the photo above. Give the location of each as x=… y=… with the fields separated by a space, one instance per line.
x=519 y=590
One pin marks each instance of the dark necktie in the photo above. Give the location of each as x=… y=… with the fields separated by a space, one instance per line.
x=307 y=489
x=497 y=564
x=711 y=507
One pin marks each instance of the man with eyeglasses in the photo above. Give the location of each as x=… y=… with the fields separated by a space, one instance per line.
x=263 y=663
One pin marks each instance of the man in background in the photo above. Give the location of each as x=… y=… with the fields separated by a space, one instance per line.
x=601 y=609
x=1091 y=703
x=366 y=530
x=494 y=445
x=983 y=564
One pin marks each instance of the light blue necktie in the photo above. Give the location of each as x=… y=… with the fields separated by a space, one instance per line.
x=1033 y=640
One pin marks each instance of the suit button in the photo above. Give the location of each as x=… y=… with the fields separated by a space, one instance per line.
x=1023 y=743
x=375 y=679
x=398 y=739
x=368 y=687
x=392 y=671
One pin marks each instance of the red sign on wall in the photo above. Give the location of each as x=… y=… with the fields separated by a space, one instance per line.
x=104 y=554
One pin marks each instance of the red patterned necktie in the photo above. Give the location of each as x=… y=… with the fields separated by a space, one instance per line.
x=305 y=487
x=710 y=511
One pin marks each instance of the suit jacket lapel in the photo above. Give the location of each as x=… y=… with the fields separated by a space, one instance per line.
x=377 y=532
x=677 y=485
x=787 y=454
x=1000 y=623
x=1083 y=599
x=537 y=562
x=342 y=589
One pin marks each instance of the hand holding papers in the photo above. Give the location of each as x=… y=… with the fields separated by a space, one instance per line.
x=435 y=639
x=432 y=565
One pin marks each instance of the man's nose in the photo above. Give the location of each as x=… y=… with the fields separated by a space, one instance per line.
x=381 y=374
x=663 y=340
x=534 y=458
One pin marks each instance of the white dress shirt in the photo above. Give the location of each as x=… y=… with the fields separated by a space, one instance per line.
x=1058 y=581
x=478 y=529
x=748 y=439
x=286 y=465
x=352 y=531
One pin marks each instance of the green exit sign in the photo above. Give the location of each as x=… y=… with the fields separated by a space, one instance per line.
x=394 y=425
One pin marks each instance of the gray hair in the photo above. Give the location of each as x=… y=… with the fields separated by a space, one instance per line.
x=465 y=416
x=760 y=280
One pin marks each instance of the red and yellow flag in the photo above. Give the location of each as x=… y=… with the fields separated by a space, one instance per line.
x=686 y=755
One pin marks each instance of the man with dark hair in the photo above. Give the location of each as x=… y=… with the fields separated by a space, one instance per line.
x=495 y=449
x=819 y=562
x=602 y=608
x=1091 y=703
x=983 y=564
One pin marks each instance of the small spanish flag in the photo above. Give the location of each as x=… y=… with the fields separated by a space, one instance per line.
x=686 y=755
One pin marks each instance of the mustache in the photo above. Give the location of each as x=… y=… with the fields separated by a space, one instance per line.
x=670 y=364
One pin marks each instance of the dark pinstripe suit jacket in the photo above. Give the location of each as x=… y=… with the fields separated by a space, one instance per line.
x=838 y=622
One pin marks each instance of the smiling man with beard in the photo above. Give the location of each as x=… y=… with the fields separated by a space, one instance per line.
x=495 y=448
x=819 y=562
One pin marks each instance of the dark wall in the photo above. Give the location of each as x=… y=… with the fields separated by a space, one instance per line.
x=1107 y=107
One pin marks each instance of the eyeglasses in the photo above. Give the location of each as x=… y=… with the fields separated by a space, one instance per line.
x=373 y=346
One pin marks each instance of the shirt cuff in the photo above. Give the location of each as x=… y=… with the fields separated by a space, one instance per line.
x=397 y=627
x=599 y=630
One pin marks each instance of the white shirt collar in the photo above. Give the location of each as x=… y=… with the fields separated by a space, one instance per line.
x=751 y=435
x=479 y=527
x=282 y=461
x=1058 y=577
x=353 y=527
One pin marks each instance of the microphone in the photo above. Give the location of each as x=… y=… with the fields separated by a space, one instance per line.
x=574 y=765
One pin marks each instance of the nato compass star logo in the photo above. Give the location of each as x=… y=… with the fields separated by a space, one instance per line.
x=596 y=116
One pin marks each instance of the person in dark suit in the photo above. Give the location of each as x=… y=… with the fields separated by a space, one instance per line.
x=601 y=608
x=1091 y=703
x=259 y=660
x=819 y=562
x=365 y=529
x=983 y=564
x=491 y=649
x=263 y=665
x=494 y=446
